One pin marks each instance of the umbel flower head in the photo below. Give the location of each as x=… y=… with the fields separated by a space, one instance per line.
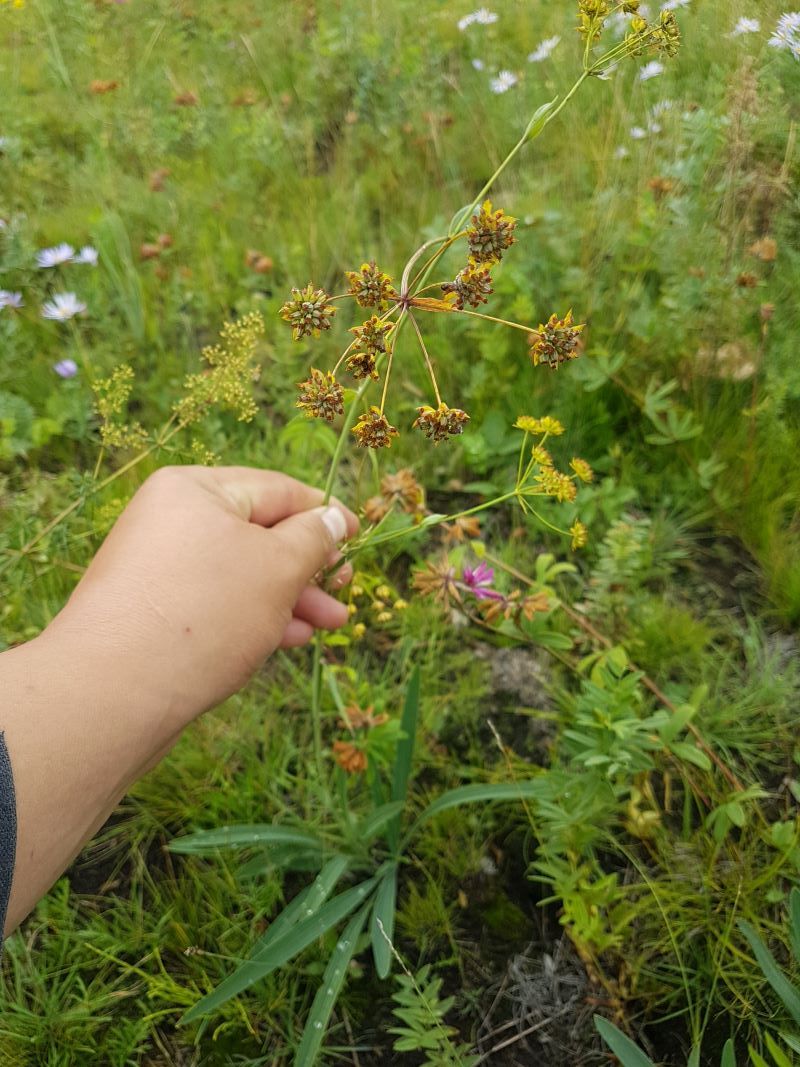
x=308 y=312
x=373 y=429
x=490 y=234
x=370 y=286
x=556 y=342
x=441 y=422
x=370 y=342
x=472 y=285
x=229 y=376
x=321 y=396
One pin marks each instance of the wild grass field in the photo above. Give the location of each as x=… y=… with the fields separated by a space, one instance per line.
x=634 y=727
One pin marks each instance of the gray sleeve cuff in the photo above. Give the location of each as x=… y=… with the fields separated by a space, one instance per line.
x=8 y=831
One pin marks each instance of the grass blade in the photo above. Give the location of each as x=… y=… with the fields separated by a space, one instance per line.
x=794 y=923
x=728 y=1055
x=405 y=754
x=628 y=1053
x=476 y=794
x=241 y=837
x=372 y=825
x=328 y=992
x=772 y=972
x=384 y=910
x=312 y=898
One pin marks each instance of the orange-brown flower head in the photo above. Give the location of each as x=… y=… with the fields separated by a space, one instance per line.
x=439 y=581
x=556 y=342
x=440 y=423
x=370 y=286
x=472 y=285
x=404 y=489
x=371 y=338
x=308 y=312
x=491 y=233
x=321 y=396
x=350 y=759
x=373 y=429
x=357 y=718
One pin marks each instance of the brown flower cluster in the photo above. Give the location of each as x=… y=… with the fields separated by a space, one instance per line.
x=401 y=490
x=370 y=287
x=373 y=429
x=351 y=755
x=321 y=396
x=441 y=422
x=308 y=312
x=557 y=341
x=370 y=342
x=472 y=285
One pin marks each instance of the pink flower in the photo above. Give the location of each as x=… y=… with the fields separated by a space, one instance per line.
x=478 y=581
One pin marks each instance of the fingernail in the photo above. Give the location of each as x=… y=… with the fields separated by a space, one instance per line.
x=336 y=522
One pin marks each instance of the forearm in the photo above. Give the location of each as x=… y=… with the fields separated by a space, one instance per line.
x=79 y=733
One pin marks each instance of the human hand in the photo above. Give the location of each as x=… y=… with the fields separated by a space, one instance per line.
x=205 y=573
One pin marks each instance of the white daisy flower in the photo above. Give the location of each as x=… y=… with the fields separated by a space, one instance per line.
x=10 y=300
x=63 y=306
x=638 y=133
x=483 y=17
x=650 y=70
x=786 y=35
x=545 y=50
x=621 y=152
x=478 y=64
x=674 y=5
x=87 y=255
x=52 y=257
x=745 y=25
x=504 y=81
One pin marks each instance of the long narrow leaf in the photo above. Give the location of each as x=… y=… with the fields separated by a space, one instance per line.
x=628 y=1054
x=241 y=837
x=728 y=1054
x=328 y=992
x=304 y=905
x=794 y=925
x=383 y=911
x=376 y=820
x=772 y=972
x=476 y=794
x=404 y=754
x=777 y=1053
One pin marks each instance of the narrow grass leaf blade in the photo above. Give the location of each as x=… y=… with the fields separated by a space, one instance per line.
x=477 y=794
x=405 y=753
x=794 y=926
x=728 y=1055
x=328 y=992
x=772 y=972
x=242 y=836
x=375 y=822
x=756 y=1058
x=383 y=911
x=628 y=1054
x=792 y=1040
x=777 y=1053
x=260 y=962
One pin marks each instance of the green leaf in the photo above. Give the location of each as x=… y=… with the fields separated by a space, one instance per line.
x=792 y=1040
x=281 y=857
x=728 y=1055
x=694 y=1057
x=540 y=119
x=476 y=794
x=384 y=910
x=628 y=1054
x=270 y=947
x=376 y=820
x=772 y=972
x=777 y=1053
x=328 y=992
x=794 y=925
x=755 y=1058
x=241 y=837
x=690 y=753
x=405 y=753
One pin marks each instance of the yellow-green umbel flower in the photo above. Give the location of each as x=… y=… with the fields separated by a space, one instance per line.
x=556 y=342
x=370 y=286
x=321 y=396
x=308 y=312
x=668 y=35
x=490 y=234
x=373 y=429
x=441 y=422
x=472 y=285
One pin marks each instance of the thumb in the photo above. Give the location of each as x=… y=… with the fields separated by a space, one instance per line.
x=308 y=538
